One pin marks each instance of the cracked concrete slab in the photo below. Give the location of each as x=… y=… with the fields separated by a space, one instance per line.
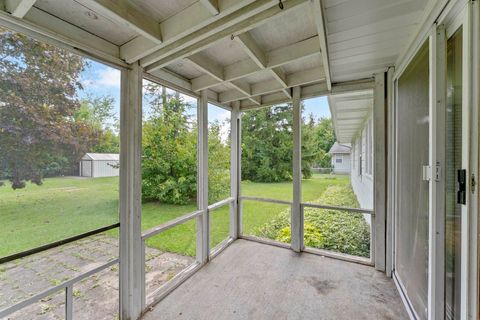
x=95 y=297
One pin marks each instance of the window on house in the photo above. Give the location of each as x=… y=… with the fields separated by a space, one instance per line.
x=360 y=165
x=354 y=155
x=370 y=147
x=359 y=152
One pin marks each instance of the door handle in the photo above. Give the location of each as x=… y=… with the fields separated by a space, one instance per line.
x=462 y=186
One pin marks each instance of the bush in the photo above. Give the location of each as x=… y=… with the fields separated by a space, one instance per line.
x=333 y=230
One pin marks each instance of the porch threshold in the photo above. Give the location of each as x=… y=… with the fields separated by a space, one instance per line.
x=250 y=280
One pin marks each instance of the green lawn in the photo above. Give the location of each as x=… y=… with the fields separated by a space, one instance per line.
x=63 y=207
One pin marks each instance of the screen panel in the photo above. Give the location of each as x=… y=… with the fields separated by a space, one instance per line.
x=413 y=191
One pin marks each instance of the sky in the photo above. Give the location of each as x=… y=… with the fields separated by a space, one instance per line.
x=101 y=80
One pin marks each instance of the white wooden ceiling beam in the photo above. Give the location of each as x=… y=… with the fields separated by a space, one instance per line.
x=18 y=8
x=124 y=14
x=45 y=27
x=180 y=25
x=202 y=39
x=255 y=53
x=266 y=87
x=245 y=88
x=240 y=69
x=316 y=7
x=252 y=49
x=174 y=81
x=242 y=86
x=307 y=92
x=256 y=100
x=196 y=23
x=216 y=72
x=208 y=66
x=303 y=49
x=280 y=76
x=276 y=58
x=211 y=5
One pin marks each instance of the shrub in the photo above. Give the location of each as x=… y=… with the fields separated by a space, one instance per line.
x=334 y=230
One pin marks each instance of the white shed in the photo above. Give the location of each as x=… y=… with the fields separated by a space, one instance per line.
x=100 y=165
x=340 y=158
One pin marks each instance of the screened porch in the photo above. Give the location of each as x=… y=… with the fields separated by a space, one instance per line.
x=217 y=211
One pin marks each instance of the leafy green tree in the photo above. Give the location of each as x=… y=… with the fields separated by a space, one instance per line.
x=98 y=113
x=218 y=164
x=324 y=138
x=169 y=166
x=267 y=143
x=38 y=99
x=310 y=152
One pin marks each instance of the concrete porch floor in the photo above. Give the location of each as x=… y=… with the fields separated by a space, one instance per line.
x=250 y=280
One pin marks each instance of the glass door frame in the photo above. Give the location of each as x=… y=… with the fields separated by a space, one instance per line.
x=464 y=14
x=457 y=14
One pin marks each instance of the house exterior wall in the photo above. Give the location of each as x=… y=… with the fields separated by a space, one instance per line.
x=341 y=163
x=361 y=174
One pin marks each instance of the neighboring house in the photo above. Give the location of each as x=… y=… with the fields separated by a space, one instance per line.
x=96 y=165
x=340 y=158
x=352 y=121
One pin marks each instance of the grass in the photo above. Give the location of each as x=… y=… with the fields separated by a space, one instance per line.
x=256 y=214
x=63 y=207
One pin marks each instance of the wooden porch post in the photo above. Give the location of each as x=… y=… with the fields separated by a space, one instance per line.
x=203 y=221
x=235 y=162
x=297 y=216
x=130 y=193
x=379 y=172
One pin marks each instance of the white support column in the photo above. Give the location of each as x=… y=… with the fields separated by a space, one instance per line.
x=235 y=169
x=379 y=171
x=390 y=170
x=130 y=193
x=203 y=221
x=297 y=216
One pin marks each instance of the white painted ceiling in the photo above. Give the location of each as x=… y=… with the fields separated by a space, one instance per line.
x=268 y=51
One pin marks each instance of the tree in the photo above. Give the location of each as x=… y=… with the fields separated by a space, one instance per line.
x=324 y=138
x=38 y=100
x=310 y=152
x=169 y=166
x=98 y=113
x=218 y=164
x=267 y=143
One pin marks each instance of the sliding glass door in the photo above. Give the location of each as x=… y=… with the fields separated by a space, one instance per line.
x=411 y=254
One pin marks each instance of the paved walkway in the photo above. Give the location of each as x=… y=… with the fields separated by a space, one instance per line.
x=95 y=297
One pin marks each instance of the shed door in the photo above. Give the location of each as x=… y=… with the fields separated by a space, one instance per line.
x=87 y=168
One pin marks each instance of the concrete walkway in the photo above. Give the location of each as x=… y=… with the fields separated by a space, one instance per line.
x=95 y=297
